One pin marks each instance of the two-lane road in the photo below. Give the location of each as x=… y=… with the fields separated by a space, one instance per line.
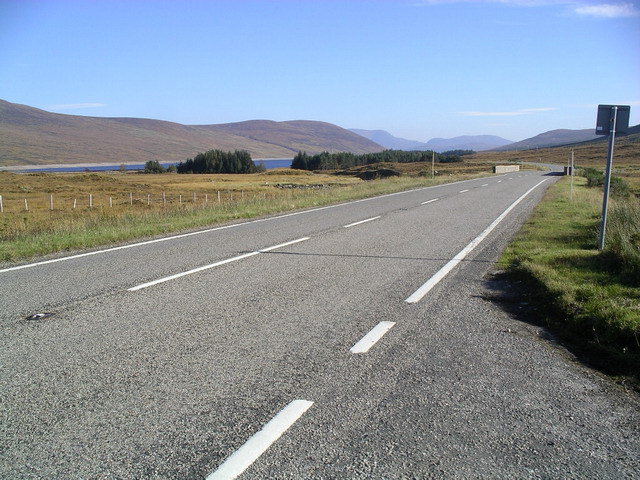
x=297 y=346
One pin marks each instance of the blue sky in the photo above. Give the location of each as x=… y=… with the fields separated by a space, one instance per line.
x=417 y=68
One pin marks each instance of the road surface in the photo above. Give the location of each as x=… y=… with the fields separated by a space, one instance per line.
x=351 y=341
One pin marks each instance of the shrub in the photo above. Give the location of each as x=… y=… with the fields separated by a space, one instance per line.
x=595 y=178
x=153 y=166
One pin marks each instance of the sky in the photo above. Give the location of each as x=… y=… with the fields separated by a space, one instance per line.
x=419 y=69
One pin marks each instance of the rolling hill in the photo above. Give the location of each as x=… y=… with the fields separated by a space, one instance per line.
x=30 y=136
x=564 y=137
x=553 y=138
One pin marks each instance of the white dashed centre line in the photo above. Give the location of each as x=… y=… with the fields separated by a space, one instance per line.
x=430 y=201
x=361 y=222
x=485 y=185
x=248 y=453
x=463 y=191
x=371 y=338
x=217 y=264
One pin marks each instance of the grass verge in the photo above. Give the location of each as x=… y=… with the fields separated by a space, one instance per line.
x=584 y=295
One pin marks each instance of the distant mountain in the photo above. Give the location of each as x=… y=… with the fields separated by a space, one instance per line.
x=476 y=142
x=29 y=136
x=384 y=138
x=466 y=142
x=554 y=138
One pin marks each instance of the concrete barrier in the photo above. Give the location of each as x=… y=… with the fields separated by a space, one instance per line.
x=506 y=168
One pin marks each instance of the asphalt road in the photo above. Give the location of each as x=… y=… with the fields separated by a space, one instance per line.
x=231 y=352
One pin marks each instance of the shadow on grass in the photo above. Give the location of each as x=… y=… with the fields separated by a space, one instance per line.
x=603 y=268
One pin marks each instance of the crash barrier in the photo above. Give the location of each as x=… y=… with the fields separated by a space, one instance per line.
x=506 y=168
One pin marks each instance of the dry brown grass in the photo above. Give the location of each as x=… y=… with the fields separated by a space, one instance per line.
x=37 y=188
x=39 y=230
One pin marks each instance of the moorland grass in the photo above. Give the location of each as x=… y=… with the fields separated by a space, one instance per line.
x=586 y=296
x=40 y=231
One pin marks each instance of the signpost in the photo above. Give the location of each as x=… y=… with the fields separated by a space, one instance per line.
x=611 y=119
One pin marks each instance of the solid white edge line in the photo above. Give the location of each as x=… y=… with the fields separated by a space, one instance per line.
x=361 y=221
x=371 y=338
x=253 y=448
x=430 y=201
x=440 y=274
x=212 y=265
x=224 y=227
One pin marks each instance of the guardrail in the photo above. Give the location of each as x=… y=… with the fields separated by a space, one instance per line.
x=506 y=168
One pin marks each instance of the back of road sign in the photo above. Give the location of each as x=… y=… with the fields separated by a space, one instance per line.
x=605 y=117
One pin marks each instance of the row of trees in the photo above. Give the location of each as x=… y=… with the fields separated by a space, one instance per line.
x=333 y=161
x=218 y=161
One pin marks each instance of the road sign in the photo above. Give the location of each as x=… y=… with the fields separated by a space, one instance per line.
x=605 y=119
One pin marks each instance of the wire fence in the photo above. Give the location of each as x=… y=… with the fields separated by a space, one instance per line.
x=39 y=202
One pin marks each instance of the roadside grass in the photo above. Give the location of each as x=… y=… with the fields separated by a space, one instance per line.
x=591 y=299
x=138 y=210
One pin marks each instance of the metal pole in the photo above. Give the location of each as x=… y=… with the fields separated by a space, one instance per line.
x=571 y=171
x=607 y=179
x=433 y=164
